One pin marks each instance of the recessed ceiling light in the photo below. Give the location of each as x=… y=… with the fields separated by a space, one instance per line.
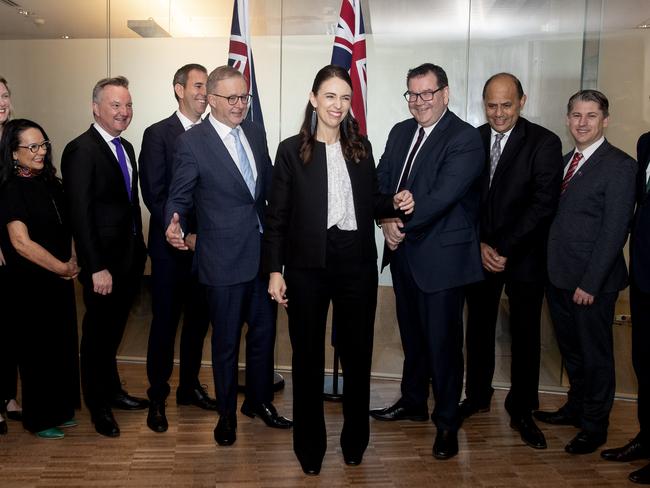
x=66 y=36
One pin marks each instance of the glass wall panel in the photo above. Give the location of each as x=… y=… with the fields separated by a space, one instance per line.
x=53 y=52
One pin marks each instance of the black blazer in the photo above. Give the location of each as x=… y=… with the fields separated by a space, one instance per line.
x=106 y=225
x=296 y=216
x=640 y=239
x=517 y=209
x=586 y=239
x=156 y=171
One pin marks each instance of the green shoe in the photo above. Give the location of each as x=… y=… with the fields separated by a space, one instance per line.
x=68 y=423
x=50 y=434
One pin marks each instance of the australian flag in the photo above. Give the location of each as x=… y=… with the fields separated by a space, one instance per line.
x=240 y=57
x=350 y=53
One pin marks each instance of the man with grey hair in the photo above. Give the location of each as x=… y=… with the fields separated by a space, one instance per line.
x=586 y=268
x=100 y=177
x=223 y=170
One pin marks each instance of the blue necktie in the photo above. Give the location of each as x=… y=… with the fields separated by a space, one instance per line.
x=121 y=158
x=244 y=163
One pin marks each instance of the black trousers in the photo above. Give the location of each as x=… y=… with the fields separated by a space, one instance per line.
x=8 y=342
x=350 y=284
x=640 y=308
x=525 y=304
x=230 y=306
x=102 y=329
x=431 y=329
x=584 y=334
x=175 y=290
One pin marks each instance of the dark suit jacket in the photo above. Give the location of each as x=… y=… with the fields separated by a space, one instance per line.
x=106 y=225
x=206 y=177
x=156 y=170
x=587 y=236
x=296 y=219
x=441 y=244
x=640 y=238
x=517 y=209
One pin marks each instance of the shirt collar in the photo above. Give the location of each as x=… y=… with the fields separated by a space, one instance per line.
x=222 y=129
x=187 y=123
x=588 y=151
x=102 y=132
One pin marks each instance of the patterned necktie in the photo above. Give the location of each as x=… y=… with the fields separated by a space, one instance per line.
x=121 y=158
x=244 y=163
x=495 y=154
x=572 y=169
x=409 y=161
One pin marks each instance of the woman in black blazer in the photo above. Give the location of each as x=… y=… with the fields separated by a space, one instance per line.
x=320 y=228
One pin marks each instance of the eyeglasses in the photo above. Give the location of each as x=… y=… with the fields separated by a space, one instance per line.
x=426 y=96
x=35 y=147
x=232 y=99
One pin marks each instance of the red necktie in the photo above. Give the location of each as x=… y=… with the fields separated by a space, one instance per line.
x=572 y=169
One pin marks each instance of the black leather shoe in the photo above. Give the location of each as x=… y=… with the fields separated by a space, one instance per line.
x=631 y=451
x=446 y=444
x=310 y=470
x=268 y=413
x=467 y=408
x=529 y=431
x=585 y=442
x=558 y=417
x=124 y=401
x=197 y=397
x=105 y=423
x=225 y=433
x=641 y=476
x=399 y=412
x=156 y=418
x=352 y=460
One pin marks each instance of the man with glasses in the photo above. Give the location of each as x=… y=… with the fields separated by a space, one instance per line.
x=174 y=287
x=520 y=188
x=100 y=178
x=433 y=255
x=223 y=170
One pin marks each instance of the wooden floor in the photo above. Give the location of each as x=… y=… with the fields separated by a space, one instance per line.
x=491 y=454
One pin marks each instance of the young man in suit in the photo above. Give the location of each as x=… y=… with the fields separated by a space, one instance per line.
x=520 y=188
x=433 y=255
x=586 y=268
x=100 y=177
x=639 y=447
x=174 y=287
x=224 y=170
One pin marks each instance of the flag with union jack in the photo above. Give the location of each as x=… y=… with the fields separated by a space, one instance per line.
x=240 y=57
x=350 y=53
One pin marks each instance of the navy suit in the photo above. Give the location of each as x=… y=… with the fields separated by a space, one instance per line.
x=585 y=250
x=107 y=230
x=174 y=288
x=640 y=289
x=439 y=255
x=228 y=254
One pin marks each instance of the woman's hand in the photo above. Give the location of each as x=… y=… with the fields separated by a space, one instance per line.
x=404 y=201
x=278 y=289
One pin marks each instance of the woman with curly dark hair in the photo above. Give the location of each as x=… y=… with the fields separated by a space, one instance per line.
x=320 y=229
x=42 y=264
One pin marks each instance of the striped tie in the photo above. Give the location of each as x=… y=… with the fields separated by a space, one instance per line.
x=495 y=154
x=572 y=169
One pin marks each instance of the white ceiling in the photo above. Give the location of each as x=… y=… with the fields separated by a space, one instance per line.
x=87 y=19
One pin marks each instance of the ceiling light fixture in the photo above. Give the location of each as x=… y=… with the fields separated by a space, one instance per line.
x=147 y=28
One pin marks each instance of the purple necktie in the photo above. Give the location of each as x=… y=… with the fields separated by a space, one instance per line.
x=121 y=158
